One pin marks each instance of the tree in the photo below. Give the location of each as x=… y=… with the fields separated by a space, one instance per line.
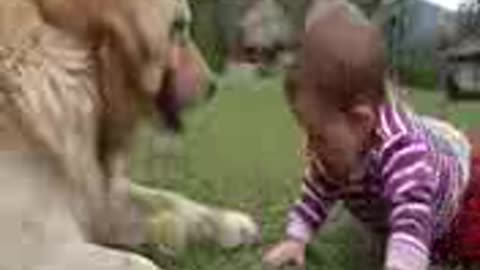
x=206 y=33
x=468 y=19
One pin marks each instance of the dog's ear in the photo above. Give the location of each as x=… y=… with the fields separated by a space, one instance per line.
x=138 y=30
x=80 y=17
x=95 y=20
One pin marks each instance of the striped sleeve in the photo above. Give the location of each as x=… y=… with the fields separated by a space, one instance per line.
x=311 y=210
x=409 y=186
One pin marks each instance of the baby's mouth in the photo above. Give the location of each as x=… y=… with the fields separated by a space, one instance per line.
x=357 y=173
x=326 y=173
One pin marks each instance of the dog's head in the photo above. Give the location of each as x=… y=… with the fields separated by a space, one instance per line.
x=145 y=48
x=187 y=78
x=170 y=68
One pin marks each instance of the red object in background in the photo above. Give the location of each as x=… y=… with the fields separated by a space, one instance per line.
x=468 y=225
x=462 y=243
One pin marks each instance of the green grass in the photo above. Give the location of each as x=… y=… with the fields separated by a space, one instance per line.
x=241 y=151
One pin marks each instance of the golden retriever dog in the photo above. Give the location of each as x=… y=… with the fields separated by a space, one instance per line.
x=76 y=76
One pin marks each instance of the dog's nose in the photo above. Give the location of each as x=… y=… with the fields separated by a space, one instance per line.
x=211 y=90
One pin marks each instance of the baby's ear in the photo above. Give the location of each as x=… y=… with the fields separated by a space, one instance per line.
x=362 y=117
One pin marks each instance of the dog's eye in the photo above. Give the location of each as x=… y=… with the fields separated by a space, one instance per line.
x=179 y=26
x=180 y=30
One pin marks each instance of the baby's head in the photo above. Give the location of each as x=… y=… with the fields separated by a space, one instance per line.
x=335 y=88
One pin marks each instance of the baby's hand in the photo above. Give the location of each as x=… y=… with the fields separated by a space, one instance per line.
x=286 y=252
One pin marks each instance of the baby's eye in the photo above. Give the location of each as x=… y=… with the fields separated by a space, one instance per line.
x=318 y=143
x=318 y=137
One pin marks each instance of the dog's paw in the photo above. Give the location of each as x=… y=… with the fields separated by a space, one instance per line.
x=236 y=229
x=168 y=232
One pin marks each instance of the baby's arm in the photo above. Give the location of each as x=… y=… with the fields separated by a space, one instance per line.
x=410 y=185
x=311 y=210
x=305 y=218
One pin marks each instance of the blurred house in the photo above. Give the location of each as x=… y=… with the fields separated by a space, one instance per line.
x=459 y=49
x=256 y=31
x=462 y=68
x=412 y=27
x=268 y=29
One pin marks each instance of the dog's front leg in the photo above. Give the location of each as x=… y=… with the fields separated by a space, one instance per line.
x=173 y=221
x=124 y=230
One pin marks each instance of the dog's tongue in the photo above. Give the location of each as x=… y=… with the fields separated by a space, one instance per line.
x=168 y=107
x=187 y=77
x=180 y=87
x=186 y=85
x=170 y=115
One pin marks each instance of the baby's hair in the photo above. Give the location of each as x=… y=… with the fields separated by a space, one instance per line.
x=342 y=61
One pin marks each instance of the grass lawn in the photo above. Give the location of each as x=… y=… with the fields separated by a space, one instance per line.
x=241 y=151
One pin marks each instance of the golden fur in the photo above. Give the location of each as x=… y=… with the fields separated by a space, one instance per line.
x=74 y=76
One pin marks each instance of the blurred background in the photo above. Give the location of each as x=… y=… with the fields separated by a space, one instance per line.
x=241 y=150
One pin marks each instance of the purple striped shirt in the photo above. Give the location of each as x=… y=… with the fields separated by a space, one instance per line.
x=410 y=190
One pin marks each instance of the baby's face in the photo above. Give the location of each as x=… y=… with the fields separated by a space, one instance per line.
x=332 y=135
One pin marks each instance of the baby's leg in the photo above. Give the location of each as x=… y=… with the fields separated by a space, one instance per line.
x=375 y=244
x=365 y=246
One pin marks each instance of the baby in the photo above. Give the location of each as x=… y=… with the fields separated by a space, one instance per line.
x=401 y=174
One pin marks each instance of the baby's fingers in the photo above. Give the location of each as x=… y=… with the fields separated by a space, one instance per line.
x=275 y=257
x=300 y=261
x=280 y=257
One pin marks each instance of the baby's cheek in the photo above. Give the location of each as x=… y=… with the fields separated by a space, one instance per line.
x=339 y=159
